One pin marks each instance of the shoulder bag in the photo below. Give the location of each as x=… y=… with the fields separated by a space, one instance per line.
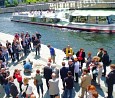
x=24 y=93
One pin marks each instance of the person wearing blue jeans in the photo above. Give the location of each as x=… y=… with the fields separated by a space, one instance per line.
x=69 y=81
x=68 y=92
x=41 y=87
x=7 y=89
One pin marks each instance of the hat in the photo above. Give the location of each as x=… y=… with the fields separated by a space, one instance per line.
x=96 y=57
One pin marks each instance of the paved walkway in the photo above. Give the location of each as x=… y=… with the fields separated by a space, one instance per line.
x=39 y=63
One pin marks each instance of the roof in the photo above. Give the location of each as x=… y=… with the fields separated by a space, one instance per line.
x=92 y=13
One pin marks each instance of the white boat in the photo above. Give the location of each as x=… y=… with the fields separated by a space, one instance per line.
x=84 y=20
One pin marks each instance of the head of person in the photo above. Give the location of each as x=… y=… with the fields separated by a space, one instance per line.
x=70 y=62
x=48 y=64
x=11 y=79
x=112 y=66
x=49 y=59
x=85 y=71
x=81 y=49
x=76 y=59
x=69 y=73
x=96 y=59
x=48 y=45
x=101 y=49
x=37 y=71
x=3 y=70
x=91 y=88
x=25 y=81
x=53 y=75
x=63 y=63
x=68 y=46
x=89 y=54
x=105 y=52
x=16 y=71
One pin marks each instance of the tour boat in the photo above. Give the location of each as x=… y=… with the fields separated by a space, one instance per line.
x=83 y=20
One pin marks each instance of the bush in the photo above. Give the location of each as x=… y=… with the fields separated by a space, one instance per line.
x=15 y=2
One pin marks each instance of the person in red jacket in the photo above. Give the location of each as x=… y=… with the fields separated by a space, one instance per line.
x=18 y=76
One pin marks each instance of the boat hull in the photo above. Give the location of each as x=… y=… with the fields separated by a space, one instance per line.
x=91 y=28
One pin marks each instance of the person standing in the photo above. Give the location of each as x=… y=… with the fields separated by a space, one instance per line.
x=105 y=60
x=89 y=59
x=37 y=46
x=69 y=81
x=76 y=68
x=47 y=73
x=71 y=67
x=52 y=52
x=99 y=68
x=38 y=35
x=63 y=73
x=53 y=86
x=39 y=81
x=81 y=56
x=13 y=88
x=68 y=50
x=100 y=54
x=85 y=82
x=110 y=80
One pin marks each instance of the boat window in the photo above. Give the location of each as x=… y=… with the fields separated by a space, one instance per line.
x=92 y=19
x=79 y=19
x=102 y=20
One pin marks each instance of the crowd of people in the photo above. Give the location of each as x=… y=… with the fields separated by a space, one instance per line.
x=72 y=70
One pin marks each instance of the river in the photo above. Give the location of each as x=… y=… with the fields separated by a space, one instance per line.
x=60 y=38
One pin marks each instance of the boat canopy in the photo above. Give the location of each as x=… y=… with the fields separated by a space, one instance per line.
x=92 y=13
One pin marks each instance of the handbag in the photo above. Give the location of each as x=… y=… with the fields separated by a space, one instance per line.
x=24 y=93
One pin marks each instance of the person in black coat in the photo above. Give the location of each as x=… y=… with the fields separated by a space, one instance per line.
x=47 y=73
x=110 y=80
x=13 y=88
x=69 y=81
x=105 y=60
x=81 y=56
x=71 y=67
x=38 y=35
x=63 y=73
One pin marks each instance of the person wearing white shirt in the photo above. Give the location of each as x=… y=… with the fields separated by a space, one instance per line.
x=27 y=88
x=76 y=68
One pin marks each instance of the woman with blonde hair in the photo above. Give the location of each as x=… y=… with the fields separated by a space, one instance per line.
x=26 y=88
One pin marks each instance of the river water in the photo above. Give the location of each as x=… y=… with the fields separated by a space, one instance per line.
x=60 y=38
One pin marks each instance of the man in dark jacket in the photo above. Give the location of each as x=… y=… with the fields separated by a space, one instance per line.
x=69 y=81
x=47 y=73
x=105 y=60
x=63 y=73
x=110 y=80
x=37 y=45
x=13 y=88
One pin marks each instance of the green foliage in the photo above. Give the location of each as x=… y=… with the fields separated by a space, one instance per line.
x=15 y=2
